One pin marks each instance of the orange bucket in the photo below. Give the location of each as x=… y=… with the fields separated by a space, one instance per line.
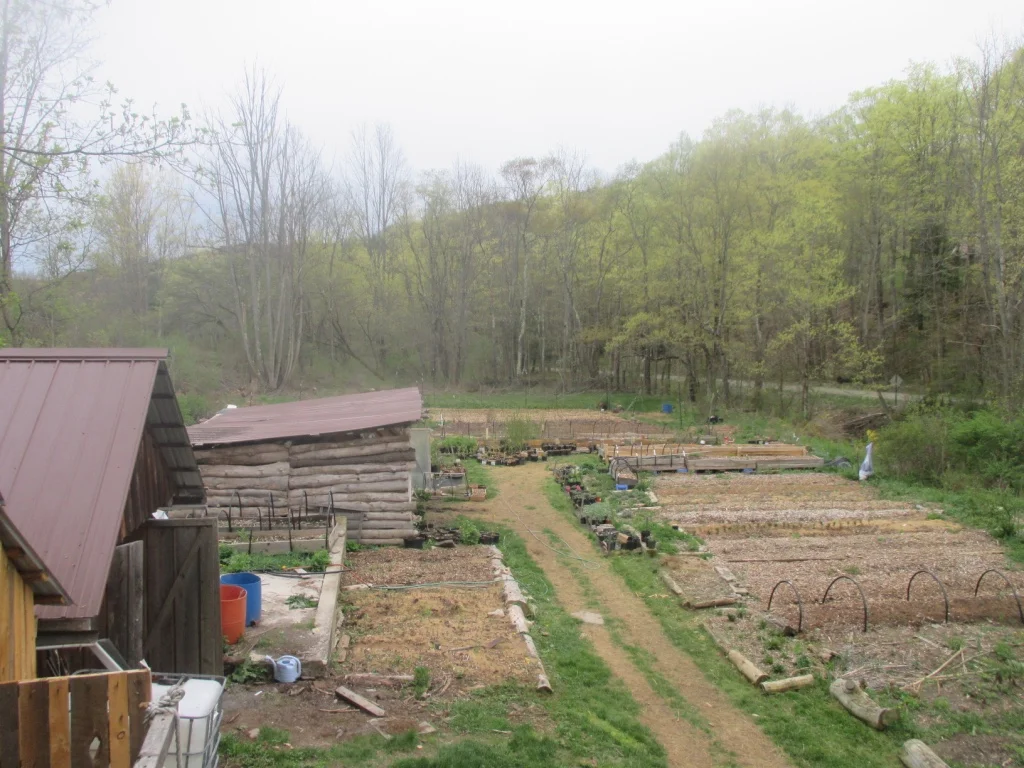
x=232 y=612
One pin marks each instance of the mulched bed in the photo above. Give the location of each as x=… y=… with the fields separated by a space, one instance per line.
x=390 y=565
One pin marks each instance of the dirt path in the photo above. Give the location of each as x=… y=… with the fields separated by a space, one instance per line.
x=686 y=745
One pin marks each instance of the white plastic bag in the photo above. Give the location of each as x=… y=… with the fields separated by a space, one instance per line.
x=867 y=468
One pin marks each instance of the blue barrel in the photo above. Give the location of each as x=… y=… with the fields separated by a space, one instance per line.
x=666 y=408
x=250 y=582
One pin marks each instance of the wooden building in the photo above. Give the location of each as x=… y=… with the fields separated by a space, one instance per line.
x=92 y=443
x=25 y=582
x=353 y=452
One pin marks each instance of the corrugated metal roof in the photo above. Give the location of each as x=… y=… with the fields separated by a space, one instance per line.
x=26 y=561
x=71 y=423
x=323 y=416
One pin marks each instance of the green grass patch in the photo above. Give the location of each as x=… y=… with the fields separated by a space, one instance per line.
x=809 y=725
x=543 y=399
x=239 y=562
x=270 y=750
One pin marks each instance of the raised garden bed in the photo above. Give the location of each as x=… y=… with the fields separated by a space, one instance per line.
x=280 y=540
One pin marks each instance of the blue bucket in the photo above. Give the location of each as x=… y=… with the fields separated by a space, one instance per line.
x=250 y=582
x=666 y=408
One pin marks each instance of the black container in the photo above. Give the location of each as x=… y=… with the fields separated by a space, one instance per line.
x=645 y=535
x=488 y=538
x=414 y=542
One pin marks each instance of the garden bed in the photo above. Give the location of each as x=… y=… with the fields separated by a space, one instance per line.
x=284 y=539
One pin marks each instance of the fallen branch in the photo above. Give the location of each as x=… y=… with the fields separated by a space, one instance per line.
x=946 y=663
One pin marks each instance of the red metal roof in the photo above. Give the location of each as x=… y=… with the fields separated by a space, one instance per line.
x=25 y=560
x=323 y=416
x=71 y=422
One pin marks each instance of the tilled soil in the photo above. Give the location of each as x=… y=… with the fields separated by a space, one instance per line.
x=523 y=506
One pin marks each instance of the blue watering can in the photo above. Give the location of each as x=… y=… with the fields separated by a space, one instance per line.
x=287 y=669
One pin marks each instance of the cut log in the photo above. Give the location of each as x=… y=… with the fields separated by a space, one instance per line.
x=277 y=483
x=917 y=754
x=234 y=470
x=671 y=583
x=384 y=516
x=747 y=667
x=243 y=455
x=787 y=684
x=716 y=602
x=388 y=487
x=384 y=525
x=543 y=684
x=248 y=499
x=364 y=704
x=518 y=619
x=370 y=506
x=370 y=449
x=398 y=467
x=531 y=647
x=383 y=458
x=354 y=447
x=311 y=482
x=860 y=705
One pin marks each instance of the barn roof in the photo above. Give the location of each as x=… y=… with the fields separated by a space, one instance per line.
x=40 y=579
x=71 y=423
x=305 y=418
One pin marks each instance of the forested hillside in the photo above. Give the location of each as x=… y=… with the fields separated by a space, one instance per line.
x=884 y=239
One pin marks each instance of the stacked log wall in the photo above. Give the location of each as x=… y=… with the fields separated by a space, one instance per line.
x=368 y=474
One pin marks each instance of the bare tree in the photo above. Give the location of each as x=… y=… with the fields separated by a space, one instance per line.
x=271 y=192
x=378 y=184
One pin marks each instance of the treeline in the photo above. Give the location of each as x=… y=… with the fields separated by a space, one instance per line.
x=886 y=239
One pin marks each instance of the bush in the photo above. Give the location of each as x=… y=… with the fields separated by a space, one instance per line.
x=193 y=407
x=463 y=447
x=952 y=449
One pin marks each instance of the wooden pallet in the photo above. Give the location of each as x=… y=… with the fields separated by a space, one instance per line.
x=54 y=721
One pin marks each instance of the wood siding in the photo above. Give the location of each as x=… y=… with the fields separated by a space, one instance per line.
x=17 y=625
x=152 y=486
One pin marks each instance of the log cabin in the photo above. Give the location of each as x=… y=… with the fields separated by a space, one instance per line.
x=352 y=454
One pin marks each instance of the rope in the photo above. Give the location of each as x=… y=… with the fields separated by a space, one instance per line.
x=168 y=704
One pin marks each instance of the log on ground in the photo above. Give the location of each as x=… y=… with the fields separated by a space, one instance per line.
x=747 y=667
x=787 y=684
x=860 y=705
x=917 y=754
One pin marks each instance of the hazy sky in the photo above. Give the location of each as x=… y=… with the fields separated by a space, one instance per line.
x=486 y=81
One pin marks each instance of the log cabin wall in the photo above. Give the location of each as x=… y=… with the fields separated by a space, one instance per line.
x=17 y=625
x=368 y=473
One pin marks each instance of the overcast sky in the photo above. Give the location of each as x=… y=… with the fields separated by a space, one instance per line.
x=486 y=81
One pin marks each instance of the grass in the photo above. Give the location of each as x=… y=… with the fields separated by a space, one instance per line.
x=812 y=729
x=270 y=749
x=239 y=562
x=541 y=399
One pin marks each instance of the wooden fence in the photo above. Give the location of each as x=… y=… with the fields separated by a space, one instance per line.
x=82 y=720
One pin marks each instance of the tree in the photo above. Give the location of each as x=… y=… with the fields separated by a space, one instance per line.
x=271 y=192
x=46 y=149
